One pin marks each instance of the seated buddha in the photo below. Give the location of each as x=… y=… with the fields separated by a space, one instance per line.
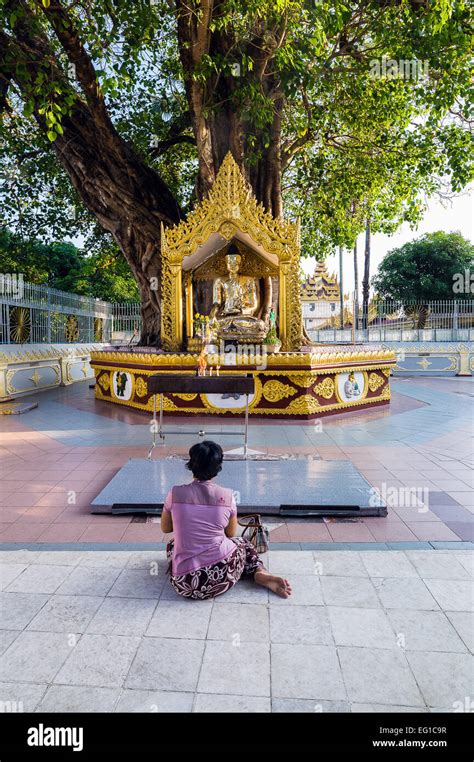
x=236 y=307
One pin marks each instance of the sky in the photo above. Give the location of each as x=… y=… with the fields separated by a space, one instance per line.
x=454 y=215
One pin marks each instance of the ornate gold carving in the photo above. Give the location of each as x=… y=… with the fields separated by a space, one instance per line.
x=169 y=404
x=98 y=329
x=48 y=354
x=303 y=379
x=251 y=264
x=274 y=390
x=104 y=381
x=186 y=397
x=35 y=377
x=11 y=389
x=140 y=387
x=375 y=382
x=424 y=363
x=317 y=360
x=72 y=329
x=453 y=363
x=325 y=388
x=20 y=325
x=305 y=404
x=230 y=209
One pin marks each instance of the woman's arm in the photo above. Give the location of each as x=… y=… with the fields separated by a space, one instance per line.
x=231 y=528
x=166 y=518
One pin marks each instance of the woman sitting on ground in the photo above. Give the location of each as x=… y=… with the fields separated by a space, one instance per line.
x=206 y=558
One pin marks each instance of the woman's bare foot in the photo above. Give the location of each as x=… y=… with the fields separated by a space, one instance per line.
x=277 y=585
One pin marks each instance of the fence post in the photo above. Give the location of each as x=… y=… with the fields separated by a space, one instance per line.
x=354 y=317
x=455 y=320
x=341 y=287
x=49 y=314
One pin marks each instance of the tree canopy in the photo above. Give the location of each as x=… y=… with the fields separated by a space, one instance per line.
x=63 y=266
x=117 y=115
x=427 y=269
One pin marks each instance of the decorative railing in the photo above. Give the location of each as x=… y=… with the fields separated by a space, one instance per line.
x=386 y=320
x=34 y=314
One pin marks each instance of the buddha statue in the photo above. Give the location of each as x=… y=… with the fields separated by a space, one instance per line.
x=236 y=311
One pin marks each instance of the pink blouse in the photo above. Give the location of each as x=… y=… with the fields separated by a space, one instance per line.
x=200 y=512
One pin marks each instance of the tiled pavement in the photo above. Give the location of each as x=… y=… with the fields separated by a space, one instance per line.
x=55 y=459
x=363 y=631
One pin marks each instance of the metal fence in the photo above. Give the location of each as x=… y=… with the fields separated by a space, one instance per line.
x=31 y=314
x=126 y=320
x=448 y=320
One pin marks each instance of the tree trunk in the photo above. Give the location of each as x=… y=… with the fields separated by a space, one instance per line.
x=356 y=289
x=130 y=202
x=216 y=118
x=341 y=287
x=366 y=279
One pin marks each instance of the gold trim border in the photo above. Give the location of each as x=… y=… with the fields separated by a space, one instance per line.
x=148 y=406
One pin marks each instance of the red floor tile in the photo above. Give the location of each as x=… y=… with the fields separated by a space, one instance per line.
x=61 y=533
x=20 y=475
x=280 y=534
x=77 y=485
x=143 y=533
x=350 y=533
x=41 y=514
x=20 y=499
x=52 y=499
x=308 y=532
x=394 y=531
x=23 y=532
x=434 y=531
x=103 y=533
x=74 y=515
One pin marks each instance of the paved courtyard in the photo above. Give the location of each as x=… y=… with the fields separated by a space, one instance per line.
x=57 y=458
x=381 y=617
x=368 y=631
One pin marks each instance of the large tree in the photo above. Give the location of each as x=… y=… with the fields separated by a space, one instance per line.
x=103 y=274
x=140 y=102
x=427 y=269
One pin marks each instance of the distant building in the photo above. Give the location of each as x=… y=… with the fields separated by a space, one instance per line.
x=320 y=295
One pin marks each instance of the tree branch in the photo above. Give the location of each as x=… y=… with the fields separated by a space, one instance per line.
x=164 y=145
x=63 y=26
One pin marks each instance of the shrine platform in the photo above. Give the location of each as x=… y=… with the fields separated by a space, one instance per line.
x=308 y=384
x=271 y=486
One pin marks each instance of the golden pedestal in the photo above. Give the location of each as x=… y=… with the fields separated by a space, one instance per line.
x=287 y=384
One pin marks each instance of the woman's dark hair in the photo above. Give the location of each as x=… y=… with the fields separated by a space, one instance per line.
x=205 y=460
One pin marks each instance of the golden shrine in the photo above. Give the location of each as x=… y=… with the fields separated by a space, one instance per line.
x=320 y=286
x=231 y=303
